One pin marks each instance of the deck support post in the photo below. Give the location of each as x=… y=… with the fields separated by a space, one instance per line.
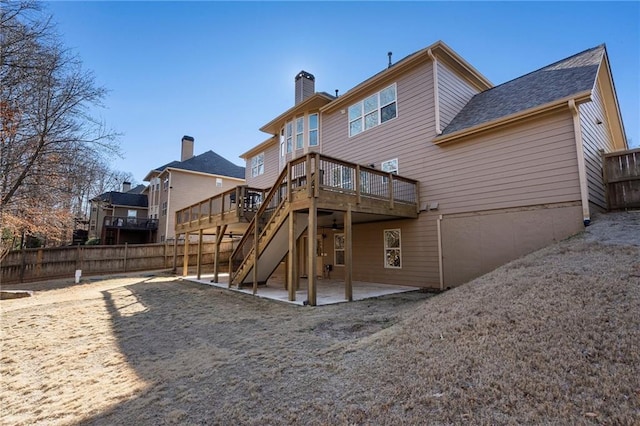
x=199 y=260
x=312 y=235
x=292 y=257
x=175 y=254
x=348 y=255
x=256 y=236
x=185 y=255
x=220 y=230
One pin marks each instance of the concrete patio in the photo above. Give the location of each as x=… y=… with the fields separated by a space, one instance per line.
x=329 y=291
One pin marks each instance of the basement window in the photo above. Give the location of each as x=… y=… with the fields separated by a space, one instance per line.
x=392 y=249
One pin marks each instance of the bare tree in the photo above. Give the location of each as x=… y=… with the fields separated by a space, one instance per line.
x=48 y=132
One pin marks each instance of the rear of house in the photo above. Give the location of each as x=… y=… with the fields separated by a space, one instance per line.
x=501 y=171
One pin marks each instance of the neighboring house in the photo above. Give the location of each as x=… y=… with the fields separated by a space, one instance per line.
x=178 y=184
x=121 y=217
x=428 y=175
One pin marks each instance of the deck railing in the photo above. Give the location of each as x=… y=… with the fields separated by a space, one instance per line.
x=240 y=203
x=317 y=174
x=124 y=222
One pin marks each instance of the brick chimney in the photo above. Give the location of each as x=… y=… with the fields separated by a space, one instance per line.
x=126 y=186
x=187 y=148
x=305 y=86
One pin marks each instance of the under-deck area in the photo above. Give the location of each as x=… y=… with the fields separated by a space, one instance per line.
x=311 y=192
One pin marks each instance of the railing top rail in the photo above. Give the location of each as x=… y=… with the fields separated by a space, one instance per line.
x=219 y=196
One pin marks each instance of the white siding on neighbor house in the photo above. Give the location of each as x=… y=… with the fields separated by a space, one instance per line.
x=453 y=94
x=594 y=138
x=271 y=169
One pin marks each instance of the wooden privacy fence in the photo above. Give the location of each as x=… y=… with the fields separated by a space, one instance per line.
x=621 y=172
x=61 y=262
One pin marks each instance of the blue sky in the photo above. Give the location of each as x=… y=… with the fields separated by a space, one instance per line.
x=218 y=71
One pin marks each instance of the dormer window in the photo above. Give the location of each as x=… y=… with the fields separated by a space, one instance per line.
x=373 y=111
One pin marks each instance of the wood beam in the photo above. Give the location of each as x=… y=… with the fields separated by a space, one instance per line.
x=312 y=235
x=292 y=258
x=199 y=259
x=185 y=256
x=256 y=236
x=174 y=269
x=348 y=255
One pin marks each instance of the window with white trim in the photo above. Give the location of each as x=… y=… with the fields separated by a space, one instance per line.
x=392 y=249
x=218 y=182
x=390 y=166
x=164 y=208
x=373 y=111
x=343 y=177
x=257 y=165
x=282 y=144
x=313 y=129
x=338 y=249
x=166 y=183
x=289 y=136
x=299 y=132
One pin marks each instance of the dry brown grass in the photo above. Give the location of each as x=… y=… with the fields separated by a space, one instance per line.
x=551 y=338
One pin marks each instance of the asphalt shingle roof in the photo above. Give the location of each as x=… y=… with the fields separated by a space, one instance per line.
x=208 y=162
x=123 y=199
x=570 y=76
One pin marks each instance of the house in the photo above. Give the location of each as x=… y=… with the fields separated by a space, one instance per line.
x=119 y=217
x=426 y=174
x=178 y=184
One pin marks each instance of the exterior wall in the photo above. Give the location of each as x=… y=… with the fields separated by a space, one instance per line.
x=476 y=243
x=271 y=169
x=533 y=163
x=595 y=137
x=185 y=189
x=453 y=94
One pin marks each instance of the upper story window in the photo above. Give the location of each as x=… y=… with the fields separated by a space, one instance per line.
x=313 y=130
x=390 y=166
x=166 y=184
x=282 y=144
x=164 y=208
x=289 y=135
x=219 y=182
x=372 y=111
x=257 y=165
x=299 y=133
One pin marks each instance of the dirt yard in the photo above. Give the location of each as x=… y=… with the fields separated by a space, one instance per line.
x=551 y=338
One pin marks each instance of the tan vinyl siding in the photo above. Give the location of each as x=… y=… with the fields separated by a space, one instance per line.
x=522 y=165
x=271 y=170
x=453 y=93
x=594 y=138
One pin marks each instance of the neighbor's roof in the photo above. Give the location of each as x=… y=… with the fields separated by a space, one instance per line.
x=137 y=190
x=123 y=198
x=208 y=162
x=563 y=79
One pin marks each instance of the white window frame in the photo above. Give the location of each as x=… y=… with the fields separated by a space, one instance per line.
x=392 y=253
x=257 y=165
x=390 y=166
x=337 y=250
x=165 y=184
x=359 y=112
x=164 y=208
x=299 y=132
x=313 y=130
x=342 y=177
x=288 y=131
x=283 y=149
x=218 y=182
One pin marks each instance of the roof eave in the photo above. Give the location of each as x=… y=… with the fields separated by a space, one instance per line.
x=438 y=48
x=176 y=169
x=532 y=112
x=258 y=148
x=273 y=127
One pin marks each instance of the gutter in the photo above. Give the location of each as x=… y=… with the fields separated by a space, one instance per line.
x=558 y=104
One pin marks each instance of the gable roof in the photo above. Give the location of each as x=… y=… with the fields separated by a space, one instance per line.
x=137 y=190
x=208 y=162
x=570 y=77
x=123 y=198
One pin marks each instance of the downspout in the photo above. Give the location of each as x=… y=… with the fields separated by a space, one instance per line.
x=436 y=97
x=582 y=170
x=440 y=262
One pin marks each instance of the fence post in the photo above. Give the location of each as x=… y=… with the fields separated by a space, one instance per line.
x=126 y=246
x=24 y=264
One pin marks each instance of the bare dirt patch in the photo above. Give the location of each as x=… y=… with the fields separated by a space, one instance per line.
x=553 y=337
